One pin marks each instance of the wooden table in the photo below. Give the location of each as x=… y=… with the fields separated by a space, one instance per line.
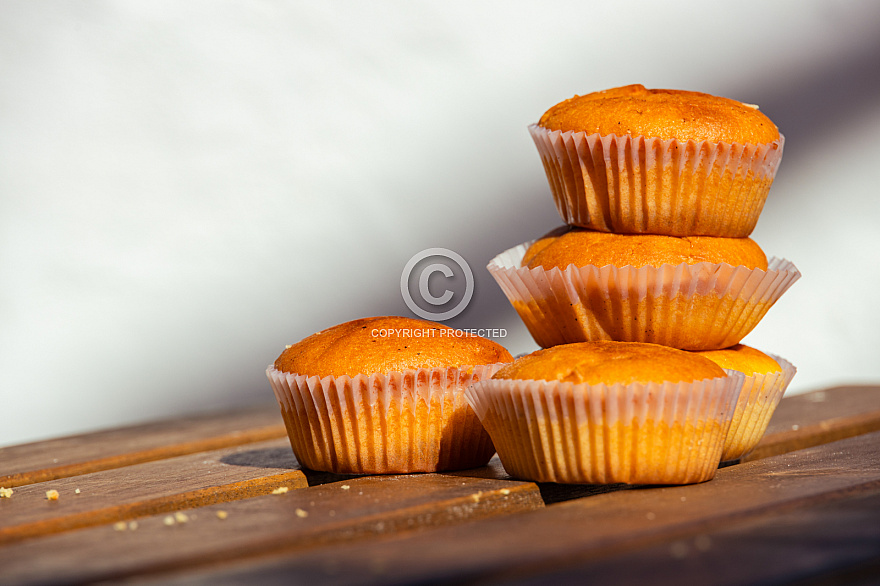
x=221 y=499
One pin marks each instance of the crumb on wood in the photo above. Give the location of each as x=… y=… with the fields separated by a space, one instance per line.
x=52 y=495
x=180 y=517
x=222 y=514
x=302 y=514
x=5 y=493
x=281 y=490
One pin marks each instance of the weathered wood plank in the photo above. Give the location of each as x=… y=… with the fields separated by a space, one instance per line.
x=122 y=495
x=820 y=417
x=115 y=448
x=332 y=513
x=577 y=531
x=150 y=488
x=835 y=542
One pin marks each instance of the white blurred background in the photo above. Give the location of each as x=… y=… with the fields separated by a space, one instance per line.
x=185 y=187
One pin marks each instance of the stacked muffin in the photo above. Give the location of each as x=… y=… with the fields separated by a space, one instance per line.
x=659 y=191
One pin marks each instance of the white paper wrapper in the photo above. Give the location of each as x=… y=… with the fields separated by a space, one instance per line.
x=703 y=306
x=411 y=421
x=640 y=185
x=760 y=395
x=655 y=433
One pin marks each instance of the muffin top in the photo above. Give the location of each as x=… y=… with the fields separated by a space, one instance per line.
x=610 y=363
x=385 y=344
x=581 y=247
x=665 y=114
x=745 y=359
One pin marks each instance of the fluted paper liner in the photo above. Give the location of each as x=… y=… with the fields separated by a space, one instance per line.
x=644 y=185
x=641 y=433
x=704 y=306
x=760 y=395
x=410 y=421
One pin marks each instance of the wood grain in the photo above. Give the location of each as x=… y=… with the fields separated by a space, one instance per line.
x=579 y=531
x=127 y=487
x=332 y=513
x=836 y=542
x=163 y=486
x=115 y=448
x=820 y=417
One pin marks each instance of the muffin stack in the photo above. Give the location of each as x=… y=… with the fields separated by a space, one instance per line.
x=659 y=191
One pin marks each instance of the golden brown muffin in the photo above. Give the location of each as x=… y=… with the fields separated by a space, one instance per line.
x=611 y=362
x=586 y=247
x=386 y=344
x=563 y=298
x=637 y=161
x=385 y=395
x=765 y=383
x=659 y=418
x=745 y=359
x=544 y=241
x=662 y=113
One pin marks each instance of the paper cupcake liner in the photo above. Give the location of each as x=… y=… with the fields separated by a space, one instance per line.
x=655 y=433
x=760 y=395
x=703 y=306
x=643 y=185
x=410 y=421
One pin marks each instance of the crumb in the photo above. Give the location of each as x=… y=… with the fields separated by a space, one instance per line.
x=280 y=490
x=477 y=496
x=302 y=514
x=77 y=491
x=52 y=495
x=169 y=520
x=180 y=517
x=505 y=491
x=345 y=487
x=119 y=526
x=222 y=514
x=132 y=525
x=5 y=493
x=289 y=346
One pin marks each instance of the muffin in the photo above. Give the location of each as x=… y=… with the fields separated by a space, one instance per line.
x=608 y=412
x=692 y=293
x=766 y=378
x=563 y=247
x=385 y=395
x=654 y=161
